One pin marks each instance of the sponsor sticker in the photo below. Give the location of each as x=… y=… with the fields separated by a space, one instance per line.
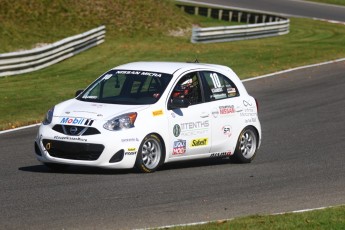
x=151 y=74
x=129 y=139
x=221 y=154
x=247 y=104
x=69 y=138
x=215 y=112
x=227 y=109
x=76 y=121
x=177 y=130
x=227 y=130
x=248 y=111
x=199 y=142
x=179 y=147
x=191 y=128
x=217 y=90
x=250 y=120
x=231 y=92
x=157 y=113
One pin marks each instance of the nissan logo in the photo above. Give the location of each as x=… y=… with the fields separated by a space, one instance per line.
x=73 y=130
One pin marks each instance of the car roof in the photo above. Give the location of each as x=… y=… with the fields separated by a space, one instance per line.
x=167 y=67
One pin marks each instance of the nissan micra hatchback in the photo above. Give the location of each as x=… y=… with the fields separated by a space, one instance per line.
x=144 y=114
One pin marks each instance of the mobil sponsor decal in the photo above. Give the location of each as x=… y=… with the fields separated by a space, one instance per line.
x=199 y=142
x=226 y=109
x=179 y=147
x=76 y=121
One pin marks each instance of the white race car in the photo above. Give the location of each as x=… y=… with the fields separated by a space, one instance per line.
x=144 y=114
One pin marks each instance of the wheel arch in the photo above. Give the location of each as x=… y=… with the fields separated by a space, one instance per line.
x=256 y=133
x=161 y=139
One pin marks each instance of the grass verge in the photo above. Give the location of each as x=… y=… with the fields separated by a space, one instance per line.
x=330 y=218
x=335 y=2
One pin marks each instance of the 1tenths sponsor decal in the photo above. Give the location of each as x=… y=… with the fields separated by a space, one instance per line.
x=191 y=128
x=179 y=147
x=76 y=121
x=199 y=142
x=177 y=130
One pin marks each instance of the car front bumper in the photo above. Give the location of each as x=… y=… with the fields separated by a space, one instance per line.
x=106 y=150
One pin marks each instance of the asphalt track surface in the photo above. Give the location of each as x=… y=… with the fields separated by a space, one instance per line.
x=300 y=165
x=287 y=7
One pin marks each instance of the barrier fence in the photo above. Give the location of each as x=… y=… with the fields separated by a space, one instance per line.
x=38 y=58
x=258 y=24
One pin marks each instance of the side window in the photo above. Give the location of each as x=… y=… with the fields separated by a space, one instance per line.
x=188 y=87
x=218 y=86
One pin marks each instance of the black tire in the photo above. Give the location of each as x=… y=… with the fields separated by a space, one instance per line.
x=56 y=167
x=246 y=147
x=151 y=154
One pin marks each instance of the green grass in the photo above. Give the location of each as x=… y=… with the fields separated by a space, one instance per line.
x=330 y=218
x=335 y=2
x=27 y=22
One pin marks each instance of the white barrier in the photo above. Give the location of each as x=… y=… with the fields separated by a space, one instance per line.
x=38 y=58
x=258 y=24
x=233 y=33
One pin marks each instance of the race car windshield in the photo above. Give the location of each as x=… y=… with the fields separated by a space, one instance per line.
x=127 y=87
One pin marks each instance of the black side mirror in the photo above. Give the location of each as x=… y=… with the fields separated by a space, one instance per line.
x=78 y=92
x=177 y=103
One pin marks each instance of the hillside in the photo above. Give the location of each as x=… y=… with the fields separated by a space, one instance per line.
x=25 y=23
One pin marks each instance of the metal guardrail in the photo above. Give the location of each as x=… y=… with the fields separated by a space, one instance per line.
x=234 y=33
x=38 y=58
x=258 y=24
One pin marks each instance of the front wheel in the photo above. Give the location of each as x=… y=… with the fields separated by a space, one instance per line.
x=246 y=146
x=150 y=155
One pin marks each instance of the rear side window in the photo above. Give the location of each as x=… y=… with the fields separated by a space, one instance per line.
x=218 y=86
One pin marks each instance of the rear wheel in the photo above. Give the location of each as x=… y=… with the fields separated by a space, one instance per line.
x=151 y=154
x=246 y=146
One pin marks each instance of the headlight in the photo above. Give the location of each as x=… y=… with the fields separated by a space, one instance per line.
x=124 y=121
x=49 y=117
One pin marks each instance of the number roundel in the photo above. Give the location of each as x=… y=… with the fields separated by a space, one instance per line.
x=215 y=80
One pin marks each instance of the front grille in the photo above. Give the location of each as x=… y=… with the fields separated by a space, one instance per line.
x=73 y=151
x=76 y=130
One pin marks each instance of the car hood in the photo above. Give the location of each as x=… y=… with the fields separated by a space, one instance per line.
x=97 y=111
